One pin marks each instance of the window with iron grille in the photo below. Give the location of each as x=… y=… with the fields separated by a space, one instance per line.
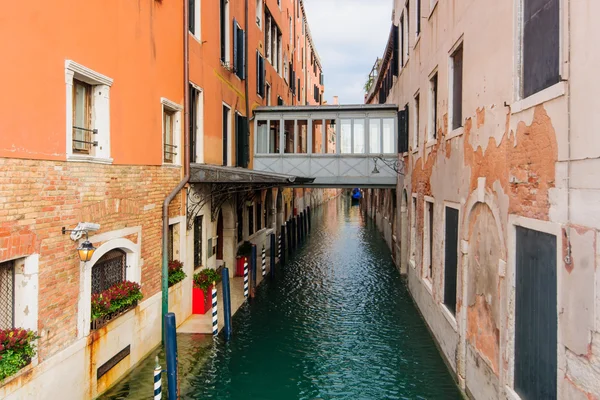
x=82 y=118
x=7 y=295
x=169 y=151
x=108 y=270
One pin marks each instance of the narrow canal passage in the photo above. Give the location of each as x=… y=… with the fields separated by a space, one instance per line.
x=336 y=323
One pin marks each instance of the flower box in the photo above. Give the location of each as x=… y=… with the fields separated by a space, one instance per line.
x=17 y=348
x=114 y=302
x=201 y=300
x=106 y=319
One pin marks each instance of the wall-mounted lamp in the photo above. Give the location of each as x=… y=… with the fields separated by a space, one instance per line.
x=395 y=165
x=375 y=170
x=85 y=249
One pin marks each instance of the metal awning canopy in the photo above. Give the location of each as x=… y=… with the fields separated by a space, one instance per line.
x=205 y=173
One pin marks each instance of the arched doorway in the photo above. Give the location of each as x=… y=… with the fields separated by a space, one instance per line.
x=220 y=236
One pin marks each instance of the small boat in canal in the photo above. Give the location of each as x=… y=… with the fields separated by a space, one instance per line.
x=356 y=195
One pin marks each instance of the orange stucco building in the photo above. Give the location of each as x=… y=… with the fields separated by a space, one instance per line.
x=95 y=125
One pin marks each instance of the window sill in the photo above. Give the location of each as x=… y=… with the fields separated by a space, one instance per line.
x=412 y=263
x=89 y=159
x=171 y=165
x=430 y=143
x=196 y=38
x=555 y=91
x=455 y=133
x=417 y=41
x=428 y=285
x=415 y=150
x=433 y=9
x=449 y=317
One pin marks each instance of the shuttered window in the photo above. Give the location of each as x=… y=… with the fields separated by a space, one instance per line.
x=239 y=61
x=403 y=130
x=260 y=75
x=541 y=45
x=242 y=141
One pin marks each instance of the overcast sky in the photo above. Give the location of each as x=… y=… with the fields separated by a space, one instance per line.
x=349 y=36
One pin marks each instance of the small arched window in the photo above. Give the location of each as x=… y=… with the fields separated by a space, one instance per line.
x=108 y=270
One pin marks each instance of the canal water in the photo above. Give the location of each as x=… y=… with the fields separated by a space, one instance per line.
x=337 y=322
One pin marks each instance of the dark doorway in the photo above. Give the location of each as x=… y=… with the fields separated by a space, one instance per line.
x=220 y=236
x=451 y=259
x=535 y=315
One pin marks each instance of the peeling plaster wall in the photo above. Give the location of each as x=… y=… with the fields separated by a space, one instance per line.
x=534 y=160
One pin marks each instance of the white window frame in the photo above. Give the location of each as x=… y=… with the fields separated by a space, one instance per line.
x=427 y=251
x=228 y=28
x=199 y=125
x=100 y=118
x=416 y=121
x=197 y=21
x=268 y=93
x=176 y=109
x=417 y=8
x=259 y=14
x=413 y=230
x=447 y=313
x=550 y=228
x=229 y=133
x=557 y=90
x=432 y=6
x=430 y=109
x=111 y=240
x=458 y=131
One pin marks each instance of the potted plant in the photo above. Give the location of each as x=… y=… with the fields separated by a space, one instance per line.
x=243 y=255
x=114 y=302
x=201 y=292
x=17 y=348
x=176 y=273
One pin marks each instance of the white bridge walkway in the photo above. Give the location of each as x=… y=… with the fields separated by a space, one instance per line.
x=339 y=146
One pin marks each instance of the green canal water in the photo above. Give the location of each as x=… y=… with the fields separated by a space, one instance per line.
x=337 y=322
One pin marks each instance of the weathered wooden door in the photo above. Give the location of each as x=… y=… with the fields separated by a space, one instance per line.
x=535 y=315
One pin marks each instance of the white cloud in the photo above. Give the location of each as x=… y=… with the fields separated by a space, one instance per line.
x=349 y=36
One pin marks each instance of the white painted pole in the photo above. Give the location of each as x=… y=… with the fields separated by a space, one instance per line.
x=264 y=261
x=157 y=381
x=215 y=321
x=246 y=278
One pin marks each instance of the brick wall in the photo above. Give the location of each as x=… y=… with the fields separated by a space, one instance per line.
x=38 y=198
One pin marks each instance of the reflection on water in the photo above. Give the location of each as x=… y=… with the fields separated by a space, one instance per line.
x=336 y=323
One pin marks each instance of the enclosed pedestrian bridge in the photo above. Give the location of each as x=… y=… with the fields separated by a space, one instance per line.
x=338 y=146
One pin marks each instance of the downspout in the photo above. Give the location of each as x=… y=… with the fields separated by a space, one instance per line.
x=568 y=259
x=186 y=169
x=246 y=81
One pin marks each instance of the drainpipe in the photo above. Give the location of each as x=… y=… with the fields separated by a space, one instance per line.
x=186 y=169
x=246 y=80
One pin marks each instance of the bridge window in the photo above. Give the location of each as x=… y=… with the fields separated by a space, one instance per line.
x=359 y=136
x=346 y=136
x=375 y=136
x=388 y=136
x=330 y=146
x=317 y=136
x=288 y=129
x=262 y=139
x=301 y=144
x=274 y=137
